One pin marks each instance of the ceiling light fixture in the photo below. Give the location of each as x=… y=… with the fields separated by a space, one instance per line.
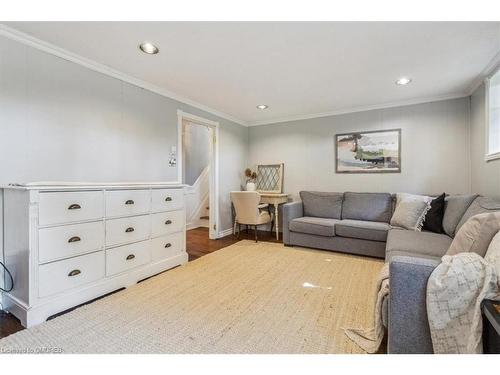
x=149 y=48
x=262 y=106
x=403 y=81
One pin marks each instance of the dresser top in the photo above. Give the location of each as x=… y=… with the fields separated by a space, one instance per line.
x=63 y=185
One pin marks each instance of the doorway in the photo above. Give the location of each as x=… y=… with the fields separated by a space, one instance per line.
x=197 y=165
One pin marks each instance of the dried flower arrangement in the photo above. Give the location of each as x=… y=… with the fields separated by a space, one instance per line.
x=250 y=175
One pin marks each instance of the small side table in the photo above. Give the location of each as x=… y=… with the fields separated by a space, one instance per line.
x=491 y=326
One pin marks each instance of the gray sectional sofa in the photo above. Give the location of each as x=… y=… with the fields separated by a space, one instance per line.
x=358 y=223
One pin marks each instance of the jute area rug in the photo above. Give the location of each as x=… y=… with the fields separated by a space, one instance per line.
x=246 y=298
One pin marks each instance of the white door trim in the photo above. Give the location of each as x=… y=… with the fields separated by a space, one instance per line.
x=214 y=220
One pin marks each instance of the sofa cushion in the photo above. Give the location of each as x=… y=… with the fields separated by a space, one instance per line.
x=454 y=208
x=493 y=253
x=480 y=205
x=367 y=206
x=476 y=234
x=416 y=244
x=319 y=204
x=365 y=230
x=314 y=225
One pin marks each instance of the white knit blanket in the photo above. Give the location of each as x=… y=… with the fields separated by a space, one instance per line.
x=455 y=290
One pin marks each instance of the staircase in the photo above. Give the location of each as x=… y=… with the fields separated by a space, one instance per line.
x=197 y=201
x=205 y=218
x=206 y=215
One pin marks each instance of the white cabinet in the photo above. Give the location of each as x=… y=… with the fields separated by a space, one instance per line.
x=69 y=240
x=128 y=229
x=167 y=200
x=167 y=246
x=124 y=258
x=70 y=273
x=69 y=207
x=127 y=202
x=167 y=222
x=66 y=245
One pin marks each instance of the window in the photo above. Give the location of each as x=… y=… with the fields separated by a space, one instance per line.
x=493 y=112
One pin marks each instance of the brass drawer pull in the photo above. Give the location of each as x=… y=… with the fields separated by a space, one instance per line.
x=168 y=245
x=74 y=273
x=168 y=222
x=74 y=207
x=168 y=199
x=129 y=229
x=130 y=201
x=130 y=257
x=74 y=239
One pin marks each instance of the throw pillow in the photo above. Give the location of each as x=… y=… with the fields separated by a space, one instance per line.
x=454 y=210
x=493 y=253
x=476 y=234
x=434 y=218
x=410 y=211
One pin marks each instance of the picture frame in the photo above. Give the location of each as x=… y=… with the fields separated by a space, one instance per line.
x=374 y=151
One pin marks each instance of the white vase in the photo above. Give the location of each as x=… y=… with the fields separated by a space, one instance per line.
x=250 y=186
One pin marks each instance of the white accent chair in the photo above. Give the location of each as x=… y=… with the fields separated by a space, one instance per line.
x=249 y=211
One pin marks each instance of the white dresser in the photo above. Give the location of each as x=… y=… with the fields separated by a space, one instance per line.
x=68 y=244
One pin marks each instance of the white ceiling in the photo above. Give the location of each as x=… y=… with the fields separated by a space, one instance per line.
x=297 y=68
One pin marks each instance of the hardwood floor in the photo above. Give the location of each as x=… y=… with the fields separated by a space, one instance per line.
x=197 y=245
x=9 y=324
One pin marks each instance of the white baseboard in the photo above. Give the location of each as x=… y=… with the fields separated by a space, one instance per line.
x=225 y=233
x=198 y=224
x=220 y=234
x=190 y=226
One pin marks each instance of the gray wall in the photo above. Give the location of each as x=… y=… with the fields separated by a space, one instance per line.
x=196 y=147
x=62 y=121
x=434 y=149
x=485 y=176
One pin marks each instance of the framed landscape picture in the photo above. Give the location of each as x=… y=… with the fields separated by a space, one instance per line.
x=368 y=152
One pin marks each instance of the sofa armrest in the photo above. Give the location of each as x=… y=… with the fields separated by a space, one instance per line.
x=291 y=211
x=408 y=324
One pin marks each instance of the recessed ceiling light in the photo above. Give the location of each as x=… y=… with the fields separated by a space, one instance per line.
x=403 y=81
x=262 y=106
x=149 y=48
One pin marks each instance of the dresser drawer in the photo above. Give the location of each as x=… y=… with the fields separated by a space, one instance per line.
x=127 y=229
x=167 y=199
x=167 y=222
x=165 y=247
x=70 y=273
x=126 y=257
x=69 y=240
x=67 y=207
x=127 y=202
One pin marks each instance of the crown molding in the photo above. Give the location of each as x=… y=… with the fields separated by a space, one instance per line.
x=41 y=45
x=344 y=111
x=491 y=68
